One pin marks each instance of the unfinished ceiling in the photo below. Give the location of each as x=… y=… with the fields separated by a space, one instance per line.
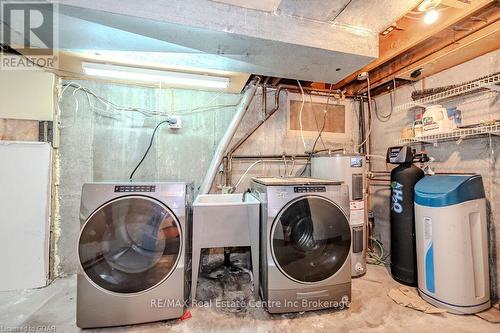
x=316 y=40
x=413 y=50
x=373 y=16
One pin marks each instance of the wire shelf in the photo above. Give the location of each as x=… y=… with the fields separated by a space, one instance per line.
x=470 y=87
x=458 y=134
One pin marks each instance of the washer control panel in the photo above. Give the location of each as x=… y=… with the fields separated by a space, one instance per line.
x=309 y=189
x=134 y=188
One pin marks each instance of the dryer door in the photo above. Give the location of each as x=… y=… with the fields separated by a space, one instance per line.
x=310 y=239
x=130 y=244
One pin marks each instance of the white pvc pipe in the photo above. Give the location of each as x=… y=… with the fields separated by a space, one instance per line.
x=228 y=136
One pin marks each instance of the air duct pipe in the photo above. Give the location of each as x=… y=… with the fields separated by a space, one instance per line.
x=228 y=136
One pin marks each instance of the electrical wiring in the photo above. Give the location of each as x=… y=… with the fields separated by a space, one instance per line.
x=392 y=96
x=76 y=101
x=110 y=106
x=356 y=147
x=314 y=147
x=325 y=111
x=99 y=111
x=149 y=147
x=107 y=104
x=120 y=109
x=316 y=121
x=300 y=115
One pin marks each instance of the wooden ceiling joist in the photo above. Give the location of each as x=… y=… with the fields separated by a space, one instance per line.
x=413 y=41
x=474 y=45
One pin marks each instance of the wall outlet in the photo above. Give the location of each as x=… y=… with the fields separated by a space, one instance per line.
x=178 y=124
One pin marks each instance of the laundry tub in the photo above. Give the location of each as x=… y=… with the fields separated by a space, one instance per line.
x=225 y=220
x=452 y=242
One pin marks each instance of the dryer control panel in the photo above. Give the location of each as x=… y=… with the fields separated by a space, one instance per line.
x=309 y=189
x=135 y=188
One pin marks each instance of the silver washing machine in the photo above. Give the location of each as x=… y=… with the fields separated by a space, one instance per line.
x=132 y=251
x=305 y=243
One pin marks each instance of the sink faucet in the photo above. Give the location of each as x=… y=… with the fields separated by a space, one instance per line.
x=245 y=194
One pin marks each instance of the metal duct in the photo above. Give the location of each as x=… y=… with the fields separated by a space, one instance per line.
x=228 y=136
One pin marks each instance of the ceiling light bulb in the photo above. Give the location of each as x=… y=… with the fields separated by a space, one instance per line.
x=428 y=4
x=431 y=16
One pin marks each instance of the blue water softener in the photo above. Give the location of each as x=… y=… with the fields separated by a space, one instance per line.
x=452 y=242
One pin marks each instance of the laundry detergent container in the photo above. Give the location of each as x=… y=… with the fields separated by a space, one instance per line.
x=452 y=242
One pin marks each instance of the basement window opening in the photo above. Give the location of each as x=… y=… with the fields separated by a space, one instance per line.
x=337 y=121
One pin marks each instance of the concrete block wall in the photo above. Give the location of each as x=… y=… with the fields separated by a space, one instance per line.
x=469 y=156
x=98 y=147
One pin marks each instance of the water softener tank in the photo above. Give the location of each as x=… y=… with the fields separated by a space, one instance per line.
x=403 y=180
x=452 y=242
x=403 y=253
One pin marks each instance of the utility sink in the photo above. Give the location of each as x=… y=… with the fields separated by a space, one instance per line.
x=217 y=199
x=225 y=220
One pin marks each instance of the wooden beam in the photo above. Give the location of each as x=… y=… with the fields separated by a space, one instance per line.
x=411 y=32
x=464 y=32
x=475 y=45
x=455 y=3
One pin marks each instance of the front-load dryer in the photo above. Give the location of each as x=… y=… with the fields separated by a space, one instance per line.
x=305 y=243
x=132 y=251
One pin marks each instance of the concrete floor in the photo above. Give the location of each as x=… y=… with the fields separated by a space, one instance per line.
x=371 y=310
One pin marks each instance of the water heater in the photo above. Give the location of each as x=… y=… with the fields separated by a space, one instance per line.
x=349 y=168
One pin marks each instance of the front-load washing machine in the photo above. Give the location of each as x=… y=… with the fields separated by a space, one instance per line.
x=305 y=243
x=132 y=251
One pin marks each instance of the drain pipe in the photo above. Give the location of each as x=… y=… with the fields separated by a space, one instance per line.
x=228 y=136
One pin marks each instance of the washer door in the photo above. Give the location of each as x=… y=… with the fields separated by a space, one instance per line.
x=130 y=244
x=310 y=239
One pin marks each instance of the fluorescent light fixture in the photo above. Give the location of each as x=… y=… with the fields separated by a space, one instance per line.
x=262 y=5
x=155 y=76
x=431 y=16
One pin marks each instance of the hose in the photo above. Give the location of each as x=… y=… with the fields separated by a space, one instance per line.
x=374 y=258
